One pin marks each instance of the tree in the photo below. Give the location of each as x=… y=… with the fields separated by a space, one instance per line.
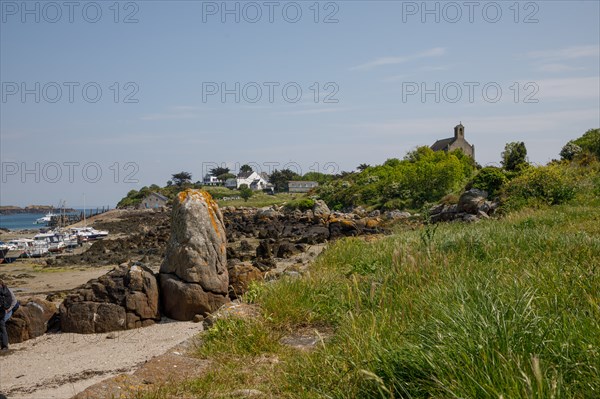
x=245 y=192
x=218 y=171
x=280 y=179
x=569 y=151
x=181 y=178
x=363 y=166
x=392 y=162
x=245 y=168
x=319 y=177
x=225 y=176
x=169 y=183
x=514 y=156
x=590 y=141
x=489 y=179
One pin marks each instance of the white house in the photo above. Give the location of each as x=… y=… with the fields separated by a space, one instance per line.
x=210 y=180
x=252 y=179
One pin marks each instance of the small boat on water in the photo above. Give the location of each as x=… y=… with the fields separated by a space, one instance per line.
x=45 y=219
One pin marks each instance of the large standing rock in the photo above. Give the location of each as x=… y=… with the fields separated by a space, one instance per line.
x=30 y=320
x=124 y=298
x=193 y=276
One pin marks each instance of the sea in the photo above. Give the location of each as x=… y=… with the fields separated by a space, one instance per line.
x=26 y=221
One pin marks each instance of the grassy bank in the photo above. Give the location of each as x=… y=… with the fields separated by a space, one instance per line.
x=500 y=309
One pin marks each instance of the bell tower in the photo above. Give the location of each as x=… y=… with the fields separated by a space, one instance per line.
x=459 y=131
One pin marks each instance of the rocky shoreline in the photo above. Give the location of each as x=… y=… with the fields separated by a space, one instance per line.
x=261 y=243
x=11 y=210
x=255 y=245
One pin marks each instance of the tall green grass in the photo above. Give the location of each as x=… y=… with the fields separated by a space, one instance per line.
x=504 y=308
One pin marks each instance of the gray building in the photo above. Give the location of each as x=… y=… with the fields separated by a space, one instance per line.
x=154 y=201
x=301 y=186
x=455 y=143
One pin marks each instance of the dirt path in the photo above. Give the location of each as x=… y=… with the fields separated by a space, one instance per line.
x=61 y=365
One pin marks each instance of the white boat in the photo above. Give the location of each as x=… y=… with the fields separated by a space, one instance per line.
x=54 y=240
x=45 y=219
x=25 y=247
x=4 y=248
x=88 y=233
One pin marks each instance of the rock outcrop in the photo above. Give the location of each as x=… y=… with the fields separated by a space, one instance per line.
x=193 y=276
x=125 y=298
x=30 y=320
x=472 y=206
x=320 y=209
x=241 y=274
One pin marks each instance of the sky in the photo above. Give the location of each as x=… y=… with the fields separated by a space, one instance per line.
x=99 y=98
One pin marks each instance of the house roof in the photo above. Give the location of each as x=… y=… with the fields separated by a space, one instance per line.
x=159 y=195
x=244 y=175
x=442 y=144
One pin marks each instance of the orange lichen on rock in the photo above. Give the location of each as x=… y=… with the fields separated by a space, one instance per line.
x=200 y=195
x=372 y=223
x=344 y=222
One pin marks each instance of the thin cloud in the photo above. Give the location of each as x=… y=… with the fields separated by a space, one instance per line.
x=567 y=53
x=395 y=78
x=434 y=52
x=312 y=111
x=557 y=68
x=476 y=126
x=175 y=113
x=569 y=88
x=432 y=68
x=167 y=116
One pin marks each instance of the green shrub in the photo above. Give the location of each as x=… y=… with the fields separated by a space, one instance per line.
x=539 y=185
x=590 y=142
x=394 y=204
x=570 y=151
x=302 y=204
x=422 y=176
x=489 y=179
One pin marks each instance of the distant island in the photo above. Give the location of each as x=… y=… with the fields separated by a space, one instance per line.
x=10 y=210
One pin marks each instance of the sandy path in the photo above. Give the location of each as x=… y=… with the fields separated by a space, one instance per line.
x=61 y=365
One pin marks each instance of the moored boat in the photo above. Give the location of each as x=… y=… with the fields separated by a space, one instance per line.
x=88 y=233
x=26 y=248
x=45 y=219
x=55 y=241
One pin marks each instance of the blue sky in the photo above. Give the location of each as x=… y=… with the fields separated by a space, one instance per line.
x=368 y=81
